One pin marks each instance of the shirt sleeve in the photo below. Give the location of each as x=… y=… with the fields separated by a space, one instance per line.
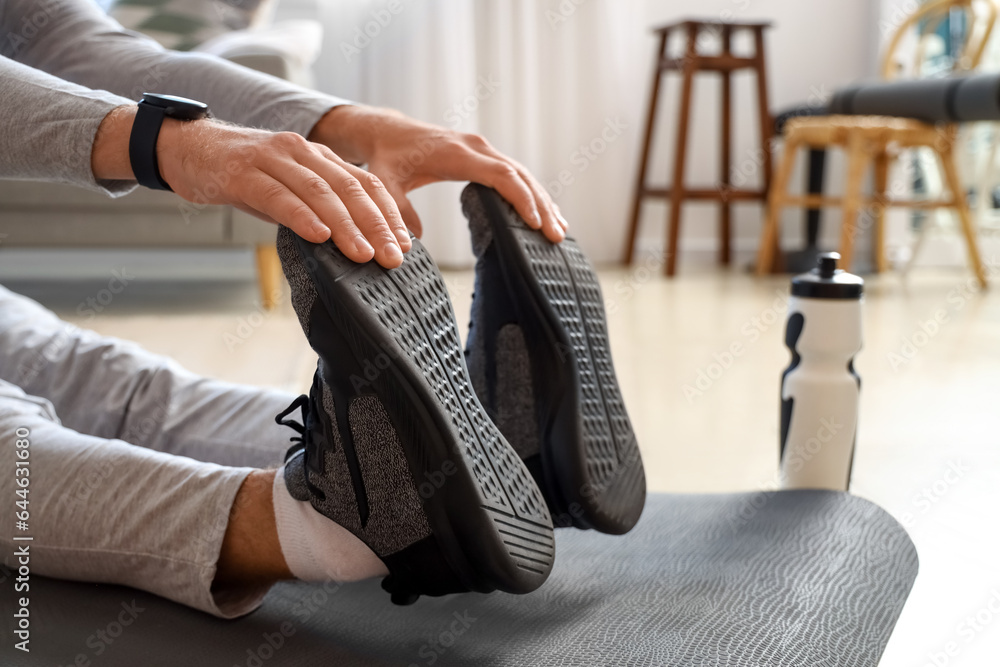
x=48 y=127
x=76 y=41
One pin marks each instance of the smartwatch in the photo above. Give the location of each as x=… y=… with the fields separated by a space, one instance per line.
x=149 y=117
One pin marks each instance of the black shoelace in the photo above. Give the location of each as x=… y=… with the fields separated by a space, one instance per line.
x=302 y=402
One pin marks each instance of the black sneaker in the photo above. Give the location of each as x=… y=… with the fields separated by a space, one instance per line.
x=540 y=362
x=395 y=446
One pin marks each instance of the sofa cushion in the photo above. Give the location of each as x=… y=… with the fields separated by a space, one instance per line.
x=52 y=214
x=184 y=24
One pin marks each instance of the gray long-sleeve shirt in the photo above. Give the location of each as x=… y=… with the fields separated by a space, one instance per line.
x=64 y=65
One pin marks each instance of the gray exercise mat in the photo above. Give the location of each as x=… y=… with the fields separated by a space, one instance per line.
x=951 y=100
x=792 y=578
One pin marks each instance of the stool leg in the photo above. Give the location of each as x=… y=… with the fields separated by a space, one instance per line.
x=947 y=158
x=764 y=113
x=880 y=204
x=269 y=275
x=677 y=193
x=725 y=163
x=640 y=186
x=857 y=161
x=775 y=203
x=815 y=172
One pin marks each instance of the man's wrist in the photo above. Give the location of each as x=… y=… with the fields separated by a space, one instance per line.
x=348 y=130
x=109 y=156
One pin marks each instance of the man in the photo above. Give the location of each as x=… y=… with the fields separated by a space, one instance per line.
x=140 y=473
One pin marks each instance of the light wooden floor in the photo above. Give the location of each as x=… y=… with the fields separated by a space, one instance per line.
x=929 y=439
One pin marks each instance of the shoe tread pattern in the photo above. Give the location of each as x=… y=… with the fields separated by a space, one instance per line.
x=592 y=309
x=556 y=281
x=430 y=338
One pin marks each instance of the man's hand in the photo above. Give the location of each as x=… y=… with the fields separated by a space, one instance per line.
x=407 y=154
x=280 y=177
x=308 y=186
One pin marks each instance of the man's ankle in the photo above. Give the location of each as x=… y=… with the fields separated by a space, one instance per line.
x=251 y=554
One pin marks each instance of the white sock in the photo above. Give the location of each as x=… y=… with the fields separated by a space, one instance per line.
x=317 y=548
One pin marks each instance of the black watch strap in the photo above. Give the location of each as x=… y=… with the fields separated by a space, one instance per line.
x=142 y=146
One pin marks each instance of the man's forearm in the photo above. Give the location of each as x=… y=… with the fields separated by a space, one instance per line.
x=49 y=127
x=79 y=43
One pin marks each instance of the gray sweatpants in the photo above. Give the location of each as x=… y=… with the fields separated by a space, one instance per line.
x=134 y=462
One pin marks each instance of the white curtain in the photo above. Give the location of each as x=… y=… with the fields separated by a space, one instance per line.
x=553 y=83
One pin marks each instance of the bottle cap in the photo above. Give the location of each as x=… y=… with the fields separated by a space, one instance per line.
x=826 y=281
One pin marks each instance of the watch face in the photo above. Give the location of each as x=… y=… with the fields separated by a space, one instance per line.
x=177 y=107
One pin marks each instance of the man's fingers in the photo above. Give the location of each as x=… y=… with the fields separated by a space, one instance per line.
x=385 y=200
x=341 y=200
x=277 y=201
x=347 y=236
x=410 y=217
x=379 y=191
x=559 y=216
x=552 y=227
x=366 y=214
x=369 y=219
x=255 y=213
x=505 y=179
x=519 y=187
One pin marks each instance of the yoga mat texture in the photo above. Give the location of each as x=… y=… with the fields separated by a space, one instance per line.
x=783 y=579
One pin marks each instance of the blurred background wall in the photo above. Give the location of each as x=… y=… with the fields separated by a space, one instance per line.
x=542 y=79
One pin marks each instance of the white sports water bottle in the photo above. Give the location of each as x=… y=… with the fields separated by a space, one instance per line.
x=820 y=390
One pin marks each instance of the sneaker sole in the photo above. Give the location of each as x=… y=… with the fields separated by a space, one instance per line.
x=397 y=328
x=590 y=460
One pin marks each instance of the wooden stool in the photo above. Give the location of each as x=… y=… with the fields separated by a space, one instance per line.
x=725 y=63
x=867 y=140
